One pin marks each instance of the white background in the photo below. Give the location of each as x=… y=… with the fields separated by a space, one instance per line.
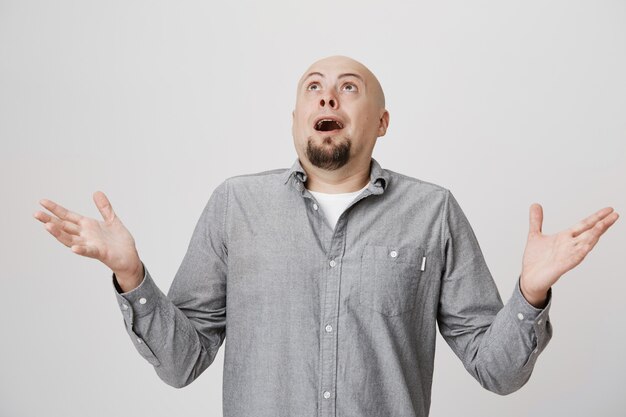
x=505 y=103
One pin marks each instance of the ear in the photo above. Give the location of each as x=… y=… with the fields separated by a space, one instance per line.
x=383 y=123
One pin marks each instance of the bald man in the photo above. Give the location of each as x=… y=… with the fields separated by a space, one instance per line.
x=331 y=277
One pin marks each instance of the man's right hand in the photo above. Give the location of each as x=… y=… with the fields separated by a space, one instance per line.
x=108 y=240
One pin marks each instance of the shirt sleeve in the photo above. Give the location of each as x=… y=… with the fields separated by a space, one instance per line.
x=498 y=344
x=180 y=333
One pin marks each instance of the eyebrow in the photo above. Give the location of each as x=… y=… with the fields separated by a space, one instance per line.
x=347 y=74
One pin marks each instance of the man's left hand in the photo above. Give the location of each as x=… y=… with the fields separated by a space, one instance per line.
x=548 y=257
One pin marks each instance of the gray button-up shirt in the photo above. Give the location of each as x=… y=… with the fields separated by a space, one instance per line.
x=324 y=322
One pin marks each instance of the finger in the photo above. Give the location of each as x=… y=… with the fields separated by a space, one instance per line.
x=86 y=250
x=60 y=211
x=42 y=216
x=536 y=218
x=68 y=227
x=104 y=206
x=63 y=237
x=593 y=234
x=590 y=221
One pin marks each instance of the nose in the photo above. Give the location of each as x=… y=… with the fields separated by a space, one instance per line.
x=330 y=101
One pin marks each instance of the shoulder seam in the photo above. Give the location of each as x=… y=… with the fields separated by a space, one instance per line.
x=224 y=229
x=260 y=173
x=444 y=215
x=414 y=179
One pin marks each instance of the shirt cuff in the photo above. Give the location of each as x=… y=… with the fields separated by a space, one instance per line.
x=526 y=312
x=139 y=301
x=530 y=318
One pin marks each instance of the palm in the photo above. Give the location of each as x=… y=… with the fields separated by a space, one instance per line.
x=548 y=257
x=107 y=240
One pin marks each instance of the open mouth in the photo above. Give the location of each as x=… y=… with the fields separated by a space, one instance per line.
x=328 y=125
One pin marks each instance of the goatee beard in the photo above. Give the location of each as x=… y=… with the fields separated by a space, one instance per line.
x=322 y=158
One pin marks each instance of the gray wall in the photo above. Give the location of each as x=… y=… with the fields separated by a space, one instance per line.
x=155 y=103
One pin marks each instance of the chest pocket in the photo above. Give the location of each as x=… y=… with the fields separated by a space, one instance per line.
x=389 y=278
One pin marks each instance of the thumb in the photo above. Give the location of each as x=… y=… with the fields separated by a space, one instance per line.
x=104 y=206
x=536 y=218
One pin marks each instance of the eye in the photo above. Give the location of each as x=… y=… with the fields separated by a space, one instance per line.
x=314 y=86
x=350 y=87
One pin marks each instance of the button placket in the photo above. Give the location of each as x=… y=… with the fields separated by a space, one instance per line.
x=331 y=305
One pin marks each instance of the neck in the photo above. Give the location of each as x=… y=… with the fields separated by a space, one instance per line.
x=351 y=177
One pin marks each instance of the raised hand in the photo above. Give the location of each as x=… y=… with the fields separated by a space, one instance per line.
x=548 y=257
x=108 y=240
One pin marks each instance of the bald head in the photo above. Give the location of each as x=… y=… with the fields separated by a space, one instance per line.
x=351 y=66
x=339 y=114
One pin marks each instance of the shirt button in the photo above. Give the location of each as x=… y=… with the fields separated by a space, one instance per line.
x=124 y=307
x=326 y=394
x=520 y=316
x=138 y=340
x=393 y=253
x=329 y=328
x=314 y=206
x=332 y=263
x=142 y=300
x=539 y=321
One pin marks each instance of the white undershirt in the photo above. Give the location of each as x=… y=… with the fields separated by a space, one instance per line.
x=333 y=205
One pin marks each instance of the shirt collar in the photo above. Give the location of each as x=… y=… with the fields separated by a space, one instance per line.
x=379 y=177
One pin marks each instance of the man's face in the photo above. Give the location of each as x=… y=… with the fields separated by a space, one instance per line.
x=339 y=113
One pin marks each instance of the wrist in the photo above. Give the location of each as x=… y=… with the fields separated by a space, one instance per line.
x=535 y=298
x=129 y=279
